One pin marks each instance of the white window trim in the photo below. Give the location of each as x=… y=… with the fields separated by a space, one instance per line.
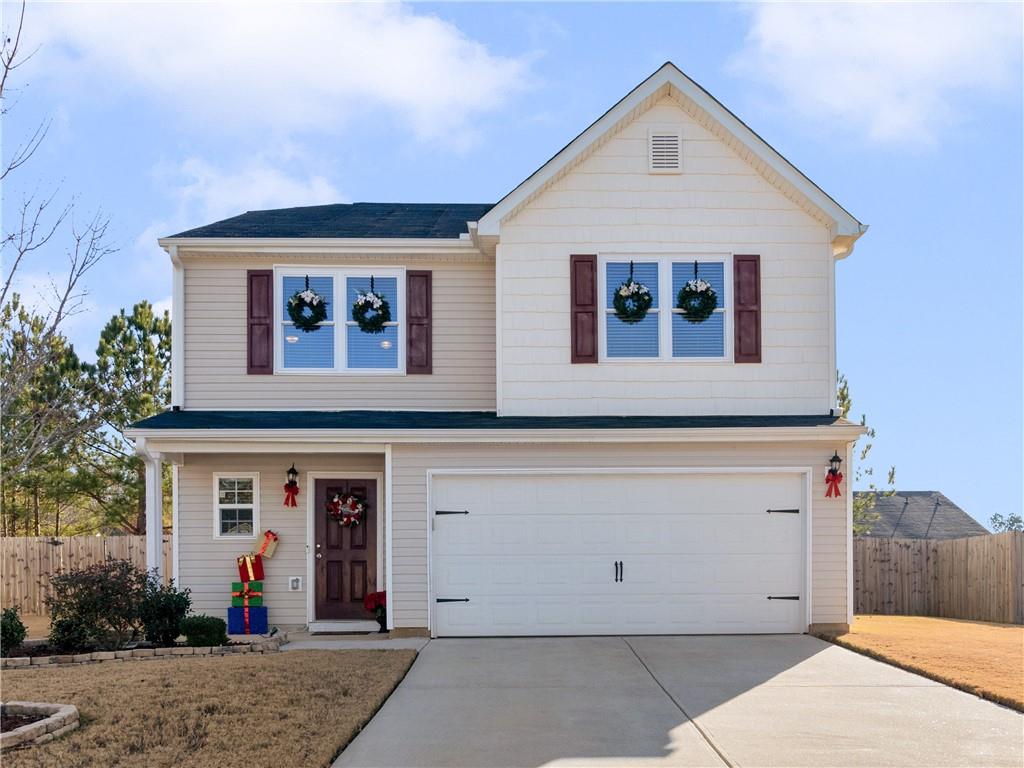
x=338 y=274
x=665 y=262
x=255 y=477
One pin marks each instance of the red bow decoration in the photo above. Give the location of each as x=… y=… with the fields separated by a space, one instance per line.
x=291 y=490
x=832 y=480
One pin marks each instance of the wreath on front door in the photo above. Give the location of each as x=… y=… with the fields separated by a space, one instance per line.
x=371 y=311
x=632 y=300
x=347 y=509
x=307 y=309
x=697 y=299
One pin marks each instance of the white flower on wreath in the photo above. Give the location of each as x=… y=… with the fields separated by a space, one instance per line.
x=698 y=285
x=628 y=289
x=370 y=298
x=309 y=296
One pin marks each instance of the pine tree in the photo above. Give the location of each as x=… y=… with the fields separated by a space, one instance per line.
x=864 y=514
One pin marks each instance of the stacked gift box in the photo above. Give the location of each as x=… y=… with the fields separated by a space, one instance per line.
x=247 y=614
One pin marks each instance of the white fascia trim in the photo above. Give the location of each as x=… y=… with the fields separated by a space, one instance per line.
x=845 y=225
x=351 y=441
x=342 y=245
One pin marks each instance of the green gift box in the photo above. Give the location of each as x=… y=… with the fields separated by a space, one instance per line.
x=246 y=594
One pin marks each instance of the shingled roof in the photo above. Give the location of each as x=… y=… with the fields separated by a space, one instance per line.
x=348 y=220
x=921 y=515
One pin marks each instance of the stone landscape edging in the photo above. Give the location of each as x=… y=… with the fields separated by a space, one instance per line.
x=61 y=719
x=265 y=645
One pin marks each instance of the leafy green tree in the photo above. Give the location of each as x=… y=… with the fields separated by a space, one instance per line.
x=132 y=379
x=864 y=514
x=1011 y=522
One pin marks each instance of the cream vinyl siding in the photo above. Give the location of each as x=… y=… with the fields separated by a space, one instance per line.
x=411 y=520
x=610 y=204
x=215 y=342
x=206 y=565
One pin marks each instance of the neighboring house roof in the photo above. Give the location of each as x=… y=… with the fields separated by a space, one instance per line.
x=921 y=515
x=670 y=80
x=349 y=220
x=369 y=420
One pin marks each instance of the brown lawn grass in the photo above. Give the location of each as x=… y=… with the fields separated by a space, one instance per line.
x=978 y=657
x=298 y=708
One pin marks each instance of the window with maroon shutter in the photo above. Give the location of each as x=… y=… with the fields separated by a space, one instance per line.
x=260 y=321
x=419 y=326
x=583 y=308
x=747 y=290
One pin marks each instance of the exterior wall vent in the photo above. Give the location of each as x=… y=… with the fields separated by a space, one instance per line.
x=665 y=152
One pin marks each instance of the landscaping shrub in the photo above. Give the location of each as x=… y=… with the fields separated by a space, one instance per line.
x=162 y=610
x=204 y=630
x=97 y=606
x=12 y=630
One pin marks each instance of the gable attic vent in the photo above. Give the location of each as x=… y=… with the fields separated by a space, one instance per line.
x=665 y=152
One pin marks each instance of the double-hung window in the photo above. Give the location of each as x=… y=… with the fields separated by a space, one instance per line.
x=235 y=505
x=665 y=333
x=338 y=344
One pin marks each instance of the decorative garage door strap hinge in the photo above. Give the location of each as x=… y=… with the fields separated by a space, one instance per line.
x=453 y=599
x=783 y=597
x=451 y=511
x=784 y=511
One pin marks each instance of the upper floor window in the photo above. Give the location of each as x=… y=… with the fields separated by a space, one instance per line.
x=665 y=333
x=337 y=344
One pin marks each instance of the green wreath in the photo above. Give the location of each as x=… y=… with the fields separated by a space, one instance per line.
x=632 y=300
x=307 y=309
x=697 y=299
x=367 y=303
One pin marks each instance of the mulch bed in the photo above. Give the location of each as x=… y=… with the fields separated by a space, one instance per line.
x=10 y=722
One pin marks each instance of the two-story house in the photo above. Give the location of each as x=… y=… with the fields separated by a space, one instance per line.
x=605 y=404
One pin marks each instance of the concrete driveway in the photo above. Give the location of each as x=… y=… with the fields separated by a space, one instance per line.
x=781 y=700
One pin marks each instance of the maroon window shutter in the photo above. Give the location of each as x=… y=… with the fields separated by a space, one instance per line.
x=260 y=312
x=419 y=356
x=583 y=308
x=747 y=292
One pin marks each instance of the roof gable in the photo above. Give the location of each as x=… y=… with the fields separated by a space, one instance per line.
x=709 y=112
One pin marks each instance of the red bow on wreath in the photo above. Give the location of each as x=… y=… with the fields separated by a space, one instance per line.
x=832 y=479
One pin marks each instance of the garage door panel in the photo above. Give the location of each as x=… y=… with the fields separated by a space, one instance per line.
x=536 y=554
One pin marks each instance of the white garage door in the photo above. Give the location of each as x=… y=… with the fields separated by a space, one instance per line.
x=619 y=553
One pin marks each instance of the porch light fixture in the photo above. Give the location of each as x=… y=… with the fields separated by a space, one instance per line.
x=834 y=463
x=293 y=474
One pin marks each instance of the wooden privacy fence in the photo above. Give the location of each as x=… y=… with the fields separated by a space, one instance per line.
x=980 y=578
x=27 y=562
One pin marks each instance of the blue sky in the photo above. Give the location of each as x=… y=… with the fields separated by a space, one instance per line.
x=168 y=117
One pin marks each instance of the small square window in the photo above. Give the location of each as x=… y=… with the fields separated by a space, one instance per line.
x=236 y=505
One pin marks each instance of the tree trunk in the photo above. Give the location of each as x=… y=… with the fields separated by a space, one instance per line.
x=35 y=506
x=56 y=519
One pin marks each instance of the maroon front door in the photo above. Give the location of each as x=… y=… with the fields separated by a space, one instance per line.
x=345 y=557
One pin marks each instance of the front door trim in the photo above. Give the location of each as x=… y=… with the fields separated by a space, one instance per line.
x=310 y=490
x=805 y=472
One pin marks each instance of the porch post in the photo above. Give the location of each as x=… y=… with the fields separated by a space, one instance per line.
x=154 y=515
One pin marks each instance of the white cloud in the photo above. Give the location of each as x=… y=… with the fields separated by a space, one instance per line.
x=207 y=193
x=279 y=67
x=889 y=70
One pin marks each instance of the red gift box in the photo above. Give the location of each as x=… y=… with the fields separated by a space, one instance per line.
x=250 y=567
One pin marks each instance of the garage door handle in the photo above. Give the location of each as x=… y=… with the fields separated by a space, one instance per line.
x=616 y=566
x=453 y=599
x=784 y=511
x=451 y=511
x=622 y=571
x=783 y=597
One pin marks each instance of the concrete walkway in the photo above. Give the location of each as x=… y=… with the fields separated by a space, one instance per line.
x=676 y=701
